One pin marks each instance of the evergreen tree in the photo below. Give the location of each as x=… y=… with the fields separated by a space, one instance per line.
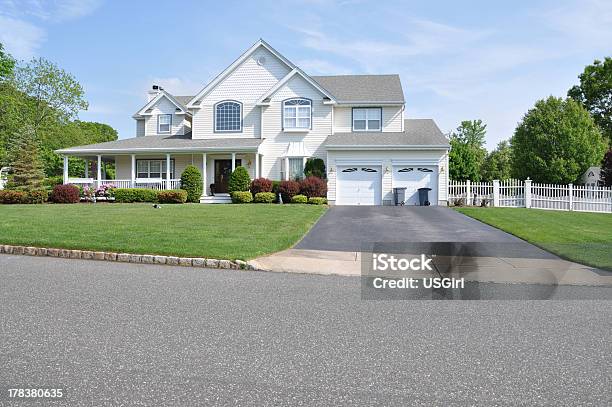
x=27 y=169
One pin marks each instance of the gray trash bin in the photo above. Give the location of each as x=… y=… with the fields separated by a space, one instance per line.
x=424 y=196
x=400 y=195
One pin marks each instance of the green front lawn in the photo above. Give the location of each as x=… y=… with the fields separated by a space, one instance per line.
x=191 y=230
x=578 y=236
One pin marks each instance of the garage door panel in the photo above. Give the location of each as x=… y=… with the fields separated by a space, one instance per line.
x=414 y=177
x=358 y=185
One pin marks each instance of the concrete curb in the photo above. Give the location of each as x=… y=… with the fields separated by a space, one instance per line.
x=126 y=257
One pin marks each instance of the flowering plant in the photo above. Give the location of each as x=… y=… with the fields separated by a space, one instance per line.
x=106 y=190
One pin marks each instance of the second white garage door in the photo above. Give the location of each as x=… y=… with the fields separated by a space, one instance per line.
x=415 y=177
x=358 y=185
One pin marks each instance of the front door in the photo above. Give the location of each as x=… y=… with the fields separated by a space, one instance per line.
x=223 y=170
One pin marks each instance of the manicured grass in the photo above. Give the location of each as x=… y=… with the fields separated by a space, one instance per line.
x=192 y=230
x=578 y=236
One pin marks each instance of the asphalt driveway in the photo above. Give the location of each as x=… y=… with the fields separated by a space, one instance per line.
x=351 y=228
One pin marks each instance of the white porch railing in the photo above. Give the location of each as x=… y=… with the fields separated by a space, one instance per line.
x=526 y=194
x=157 y=184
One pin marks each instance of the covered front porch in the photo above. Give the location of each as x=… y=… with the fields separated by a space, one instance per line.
x=162 y=171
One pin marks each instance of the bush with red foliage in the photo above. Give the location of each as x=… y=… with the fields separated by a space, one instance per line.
x=313 y=187
x=65 y=194
x=261 y=185
x=288 y=189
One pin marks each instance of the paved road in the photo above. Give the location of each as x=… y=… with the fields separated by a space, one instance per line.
x=348 y=228
x=130 y=334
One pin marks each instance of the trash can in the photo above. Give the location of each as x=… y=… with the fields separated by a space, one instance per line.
x=400 y=195
x=424 y=196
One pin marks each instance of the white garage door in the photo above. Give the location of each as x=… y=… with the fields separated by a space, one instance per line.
x=358 y=185
x=415 y=177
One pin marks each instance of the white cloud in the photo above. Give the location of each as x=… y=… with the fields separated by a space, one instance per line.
x=587 y=22
x=20 y=38
x=54 y=11
x=175 y=85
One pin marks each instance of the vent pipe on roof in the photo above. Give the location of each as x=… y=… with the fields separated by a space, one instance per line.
x=153 y=92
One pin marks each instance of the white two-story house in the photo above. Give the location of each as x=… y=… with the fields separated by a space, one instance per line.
x=264 y=113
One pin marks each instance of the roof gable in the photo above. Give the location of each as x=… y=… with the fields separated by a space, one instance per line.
x=295 y=72
x=225 y=73
x=162 y=94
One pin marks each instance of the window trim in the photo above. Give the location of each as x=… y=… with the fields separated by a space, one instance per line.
x=366 y=129
x=296 y=129
x=162 y=172
x=159 y=131
x=215 y=130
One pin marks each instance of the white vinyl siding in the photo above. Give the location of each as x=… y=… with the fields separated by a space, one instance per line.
x=246 y=84
x=179 y=124
x=276 y=140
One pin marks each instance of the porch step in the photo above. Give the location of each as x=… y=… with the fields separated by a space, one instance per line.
x=216 y=199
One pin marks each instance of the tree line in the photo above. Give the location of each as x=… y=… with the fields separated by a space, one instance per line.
x=39 y=106
x=556 y=141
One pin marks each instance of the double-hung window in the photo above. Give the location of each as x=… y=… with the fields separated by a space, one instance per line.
x=228 y=116
x=367 y=119
x=153 y=169
x=164 y=122
x=297 y=114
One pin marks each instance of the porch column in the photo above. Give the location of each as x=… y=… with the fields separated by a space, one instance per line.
x=65 y=169
x=86 y=168
x=168 y=184
x=99 y=171
x=286 y=168
x=256 y=165
x=233 y=161
x=133 y=172
x=204 y=174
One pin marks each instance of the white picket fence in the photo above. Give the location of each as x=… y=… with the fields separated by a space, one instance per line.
x=526 y=194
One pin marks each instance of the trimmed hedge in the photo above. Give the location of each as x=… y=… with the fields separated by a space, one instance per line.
x=264 y=197
x=317 y=200
x=239 y=180
x=313 y=186
x=65 y=194
x=129 y=195
x=191 y=181
x=9 y=196
x=261 y=185
x=172 y=196
x=288 y=189
x=299 y=199
x=37 y=196
x=242 y=197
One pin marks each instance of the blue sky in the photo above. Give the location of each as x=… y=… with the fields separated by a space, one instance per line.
x=457 y=60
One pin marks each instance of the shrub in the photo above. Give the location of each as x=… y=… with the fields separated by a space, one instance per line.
x=128 y=195
x=288 y=189
x=9 y=196
x=275 y=186
x=300 y=199
x=313 y=186
x=37 y=196
x=239 y=180
x=261 y=185
x=242 y=197
x=315 y=167
x=106 y=190
x=264 y=197
x=50 y=182
x=191 y=181
x=65 y=194
x=173 y=196
x=317 y=200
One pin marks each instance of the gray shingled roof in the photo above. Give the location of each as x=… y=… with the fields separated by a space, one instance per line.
x=167 y=143
x=363 y=88
x=183 y=100
x=417 y=132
